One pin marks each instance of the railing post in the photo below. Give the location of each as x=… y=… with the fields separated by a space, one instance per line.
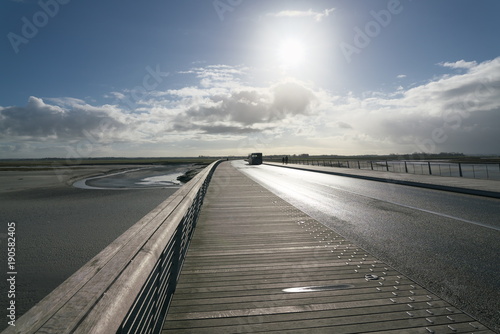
x=460 y=169
x=348 y=164
x=359 y=165
x=371 y=164
x=387 y=165
x=430 y=170
x=406 y=168
x=176 y=258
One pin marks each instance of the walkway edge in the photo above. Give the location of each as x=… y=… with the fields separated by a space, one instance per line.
x=467 y=191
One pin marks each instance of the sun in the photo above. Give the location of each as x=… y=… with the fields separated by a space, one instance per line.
x=291 y=53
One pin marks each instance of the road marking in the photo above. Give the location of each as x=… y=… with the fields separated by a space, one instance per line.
x=420 y=209
x=395 y=203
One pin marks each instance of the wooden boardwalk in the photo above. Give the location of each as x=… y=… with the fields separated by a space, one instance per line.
x=257 y=264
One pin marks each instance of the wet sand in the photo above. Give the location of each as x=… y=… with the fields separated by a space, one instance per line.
x=59 y=227
x=142 y=177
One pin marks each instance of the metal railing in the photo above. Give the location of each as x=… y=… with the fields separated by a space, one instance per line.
x=455 y=169
x=128 y=286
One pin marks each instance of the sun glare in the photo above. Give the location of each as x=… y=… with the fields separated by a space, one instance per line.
x=291 y=53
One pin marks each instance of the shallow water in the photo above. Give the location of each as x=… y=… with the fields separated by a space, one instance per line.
x=140 y=178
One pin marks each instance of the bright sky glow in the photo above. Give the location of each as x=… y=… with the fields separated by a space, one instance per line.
x=189 y=78
x=291 y=53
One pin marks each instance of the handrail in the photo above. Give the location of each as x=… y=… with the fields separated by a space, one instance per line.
x=127 y=287
x=475 y=170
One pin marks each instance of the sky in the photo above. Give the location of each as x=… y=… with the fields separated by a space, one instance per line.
x=229 y=77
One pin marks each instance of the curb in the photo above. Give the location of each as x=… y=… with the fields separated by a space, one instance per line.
x=468 y=191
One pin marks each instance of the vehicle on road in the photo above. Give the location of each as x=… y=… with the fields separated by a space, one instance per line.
x=255 y=159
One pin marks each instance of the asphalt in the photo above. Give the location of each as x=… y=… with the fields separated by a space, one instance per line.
x=479 y=187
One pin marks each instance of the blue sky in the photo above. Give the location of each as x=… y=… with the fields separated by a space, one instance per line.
x=227 y=77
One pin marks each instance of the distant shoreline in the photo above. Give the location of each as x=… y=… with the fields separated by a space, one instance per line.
x=60 y=162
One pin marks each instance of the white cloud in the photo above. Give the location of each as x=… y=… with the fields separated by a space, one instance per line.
x=115 y=95
x=459 y=113
x=462 y=64
x=437 y=116
x=70 y=120
x=401 y=76
x=246 y=109
x=222 y=76
x=317 y=16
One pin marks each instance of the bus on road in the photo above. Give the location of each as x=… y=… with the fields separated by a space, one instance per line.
x=255 y=159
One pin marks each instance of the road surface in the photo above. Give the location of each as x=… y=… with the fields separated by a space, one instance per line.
x=447 y=242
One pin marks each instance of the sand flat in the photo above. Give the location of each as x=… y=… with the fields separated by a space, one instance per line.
x=19 y=178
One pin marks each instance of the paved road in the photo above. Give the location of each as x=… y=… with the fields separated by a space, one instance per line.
x=445 y=241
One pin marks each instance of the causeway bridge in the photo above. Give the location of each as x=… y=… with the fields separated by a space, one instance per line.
x=226 y=255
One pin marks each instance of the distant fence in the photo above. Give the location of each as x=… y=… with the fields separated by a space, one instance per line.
x=457 y=169
x=128 y=286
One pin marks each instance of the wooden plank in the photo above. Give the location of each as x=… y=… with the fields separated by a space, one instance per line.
x=298 y=297
x=284 y=317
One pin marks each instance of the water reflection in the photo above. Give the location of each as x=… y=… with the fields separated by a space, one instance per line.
x=139 y=178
